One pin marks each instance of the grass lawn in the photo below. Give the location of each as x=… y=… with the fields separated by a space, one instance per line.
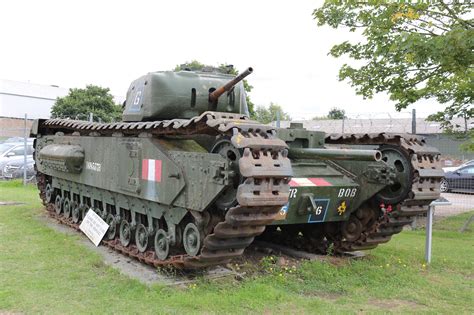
x=45 y=271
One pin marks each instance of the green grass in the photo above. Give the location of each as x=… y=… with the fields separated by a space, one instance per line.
x=45 y=271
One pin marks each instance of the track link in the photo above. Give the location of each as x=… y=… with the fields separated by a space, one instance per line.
x=264 y=166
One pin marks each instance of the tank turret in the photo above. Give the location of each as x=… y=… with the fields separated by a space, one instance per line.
x=184 y=94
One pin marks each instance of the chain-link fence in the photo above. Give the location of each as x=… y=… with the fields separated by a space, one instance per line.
x=16 y=150
x=458 y=165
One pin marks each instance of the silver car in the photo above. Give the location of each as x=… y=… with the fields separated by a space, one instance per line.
x=15 y=168
x=11 y=151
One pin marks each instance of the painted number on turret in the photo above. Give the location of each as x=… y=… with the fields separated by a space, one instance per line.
x=136 y=101
x=347 y=193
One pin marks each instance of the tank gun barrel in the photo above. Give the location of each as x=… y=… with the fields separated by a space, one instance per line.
x=214 y=96
x=335 y=154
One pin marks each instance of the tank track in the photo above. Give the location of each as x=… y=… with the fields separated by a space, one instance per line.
x=426 y=176
x=260 y=196
x=379 y=221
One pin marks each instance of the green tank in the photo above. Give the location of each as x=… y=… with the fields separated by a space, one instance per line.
x=352 y=192
x=187 y=179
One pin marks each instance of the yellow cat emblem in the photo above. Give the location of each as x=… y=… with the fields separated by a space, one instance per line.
x=342 y=208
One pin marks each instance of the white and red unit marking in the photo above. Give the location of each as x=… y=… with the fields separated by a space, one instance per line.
x=297 y=182
x=151 y=170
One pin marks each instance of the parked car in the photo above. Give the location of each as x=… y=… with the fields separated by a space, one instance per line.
x=10 y=151
x=461 y=180
x=18 y=140
x=453 y=168
x=14 y=168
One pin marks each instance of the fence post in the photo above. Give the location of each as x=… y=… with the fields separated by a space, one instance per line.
x=429 y=233
x=25 y=151
x=413 y=121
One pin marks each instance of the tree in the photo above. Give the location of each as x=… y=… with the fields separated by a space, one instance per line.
x=336 y=113
x=267 y=115
x=195 y=65
x=412 y=50
x=320 y=118
x=80 y=102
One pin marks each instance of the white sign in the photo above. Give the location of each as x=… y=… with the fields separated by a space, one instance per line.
x=94 y=227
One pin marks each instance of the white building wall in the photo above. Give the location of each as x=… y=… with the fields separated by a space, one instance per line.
x=36 y=100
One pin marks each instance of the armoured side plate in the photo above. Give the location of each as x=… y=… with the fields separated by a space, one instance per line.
x=206 y=178
x=130 y=153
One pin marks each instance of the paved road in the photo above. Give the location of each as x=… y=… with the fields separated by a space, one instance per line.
x=460 y=203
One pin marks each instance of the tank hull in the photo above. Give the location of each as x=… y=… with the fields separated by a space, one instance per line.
x=165 y=195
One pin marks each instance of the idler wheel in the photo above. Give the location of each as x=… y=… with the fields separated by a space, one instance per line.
x=396 y=158
x=58 y=204
x=75 y=212
x=226 y=149
x=192 y=239
x=49 y=192
x=125 y=233
x=67 y=207
x=141 y=238
x=352 y=229
x=162 y=244
x=112 y=231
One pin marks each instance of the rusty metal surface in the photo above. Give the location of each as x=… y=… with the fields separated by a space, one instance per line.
x=214 y=96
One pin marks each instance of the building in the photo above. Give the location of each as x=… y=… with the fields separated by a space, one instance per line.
x=34 y=100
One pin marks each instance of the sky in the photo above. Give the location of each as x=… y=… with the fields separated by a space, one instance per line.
x=111 y=43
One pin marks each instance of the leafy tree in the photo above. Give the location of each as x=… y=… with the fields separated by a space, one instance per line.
x=320 y=118
x=80 y=102
x=336 y=113
x=267 y=115
x=412 y=50
x=195 y=65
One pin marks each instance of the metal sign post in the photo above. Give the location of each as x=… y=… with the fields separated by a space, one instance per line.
x=25 y=150
x=429 y=225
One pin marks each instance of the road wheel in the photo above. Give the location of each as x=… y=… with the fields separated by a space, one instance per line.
x=125 y=233
x=75 y=212
x=49 y=193
x=67 y=207
x=162 y=245
x=112 y=231
x=141 y=238
x=192 y=239
x=58 y=204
